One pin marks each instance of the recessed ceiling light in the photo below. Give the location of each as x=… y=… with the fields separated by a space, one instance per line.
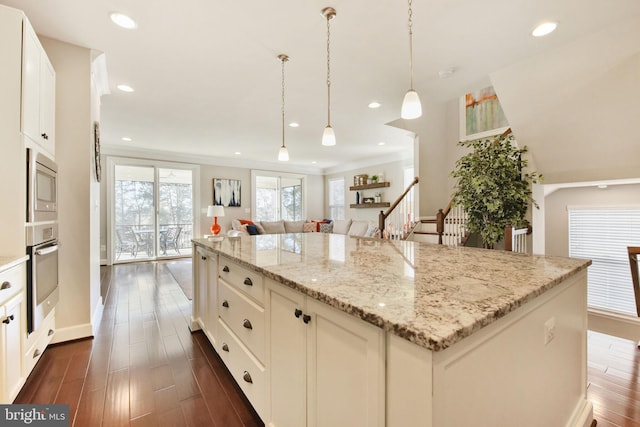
x=602 y=186
x=124 y=21
x=237 y=153
x=126 y=138
x=381 y=143
x=313 y=162
x=544 y=29
x=446 y=73
x=125 y=88
x=294 y=124
x=374 y=104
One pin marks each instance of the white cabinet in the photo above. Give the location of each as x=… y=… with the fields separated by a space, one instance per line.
x=326 y=368
x=206 y=298
x=12 y=328
x=38 y=93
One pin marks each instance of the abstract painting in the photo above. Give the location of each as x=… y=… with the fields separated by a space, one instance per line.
x=226 y=192
x=481 y=115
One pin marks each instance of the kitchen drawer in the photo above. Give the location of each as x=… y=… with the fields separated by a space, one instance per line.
x=13 y=281
x=245 y=369
x=246 y=280
x=38 y=341
x=244 y=317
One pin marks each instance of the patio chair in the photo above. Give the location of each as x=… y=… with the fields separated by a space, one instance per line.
x=170 y=239
x=125 y=242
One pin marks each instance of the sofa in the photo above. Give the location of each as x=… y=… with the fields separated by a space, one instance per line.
x=348 y=227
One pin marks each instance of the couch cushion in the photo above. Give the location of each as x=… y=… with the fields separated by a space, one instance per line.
x=358 y=228
x=273 y=227
x=372 y=230
x=341 y=226
x=294 y=226
x=260 y=228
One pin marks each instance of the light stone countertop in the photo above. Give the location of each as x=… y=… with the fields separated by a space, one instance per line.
x=7 y=262
x=431 y=295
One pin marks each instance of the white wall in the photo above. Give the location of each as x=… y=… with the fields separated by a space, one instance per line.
x=79 y=280
x=556 y=216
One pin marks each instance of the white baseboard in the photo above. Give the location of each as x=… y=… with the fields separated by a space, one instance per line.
x=72 y=333
x=619 y=325
x=583 y=417
x=97 y=316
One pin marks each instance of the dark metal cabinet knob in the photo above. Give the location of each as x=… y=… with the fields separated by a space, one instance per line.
x=306 y=318
x=297 y=313
x=247 y=377
x=225 y=347
x=225 y=269
x=36 y=353
x=247 y=324
x=5 y=285
x=248 y=282
x=51 y=332
x=225 y=304
x=204 y=258
x=6 y=321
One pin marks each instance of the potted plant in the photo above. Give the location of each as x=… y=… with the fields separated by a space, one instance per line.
x=492 y=187
x=374 y=179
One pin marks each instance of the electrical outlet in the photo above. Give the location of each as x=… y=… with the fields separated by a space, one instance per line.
x=549 y=330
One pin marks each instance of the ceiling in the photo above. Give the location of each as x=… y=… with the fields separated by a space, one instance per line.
x=207 y=78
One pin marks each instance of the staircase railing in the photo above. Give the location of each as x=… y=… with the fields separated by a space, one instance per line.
x=398 y=220
x=451 y=225
x=515 y=239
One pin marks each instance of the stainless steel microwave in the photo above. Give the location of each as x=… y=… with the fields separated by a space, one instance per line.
x=42 y=187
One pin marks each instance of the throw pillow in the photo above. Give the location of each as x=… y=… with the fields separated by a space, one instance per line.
x=252 y=229
x=260 y=228
x=309 y=227
x=326 y=228
x=246 y=221
x=371 y=231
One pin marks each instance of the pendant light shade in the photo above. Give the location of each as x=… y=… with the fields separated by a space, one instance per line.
x=411 y=107
x=328 y=136
x=283 y=154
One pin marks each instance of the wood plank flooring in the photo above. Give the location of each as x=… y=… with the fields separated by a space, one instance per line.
x=144 y=367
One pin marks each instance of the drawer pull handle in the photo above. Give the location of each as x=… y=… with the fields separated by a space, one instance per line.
x=36 y=353
x=225 y=269
x=306 y=318
x=50 y=332
x=248 y=282
x=247 y=324
x=247 y=377
x=204 y=258
x=225 y=304
x=297 y=313
x=8 y=319
x=5 y=285
x=225 y=347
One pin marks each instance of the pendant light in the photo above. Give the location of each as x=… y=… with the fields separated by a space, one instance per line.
x=283 y=154
x=328 y=137
x=411 y=108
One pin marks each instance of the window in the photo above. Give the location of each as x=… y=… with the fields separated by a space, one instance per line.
x=277 y=196
x=602 y=235
x=336 y=198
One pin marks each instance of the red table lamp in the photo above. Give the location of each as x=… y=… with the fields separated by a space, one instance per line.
x=215 y=212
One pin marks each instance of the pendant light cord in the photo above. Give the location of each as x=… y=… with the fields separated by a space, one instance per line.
x=411 y=44
x=328 y=71
x=284 y=59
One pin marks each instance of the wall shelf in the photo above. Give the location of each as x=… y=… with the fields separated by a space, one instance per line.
x=369 y=205
x=369 y=186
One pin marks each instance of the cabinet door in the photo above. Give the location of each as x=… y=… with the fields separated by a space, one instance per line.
x=345 y=369
x=200 y=297
x=47 y=105
x=287 y=357
x=30 y=84
x=12 y=326
x=212 y=310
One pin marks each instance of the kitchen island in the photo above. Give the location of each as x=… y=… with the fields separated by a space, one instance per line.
x=341 y=330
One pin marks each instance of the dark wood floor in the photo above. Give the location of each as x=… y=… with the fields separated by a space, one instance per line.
x=144 y=367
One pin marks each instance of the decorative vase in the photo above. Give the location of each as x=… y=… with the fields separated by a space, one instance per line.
x=357 y=197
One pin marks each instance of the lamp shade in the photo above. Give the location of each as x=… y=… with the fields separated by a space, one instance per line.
x=215 y=211
x=411 y=107
x=328 y=136
x=283 y=155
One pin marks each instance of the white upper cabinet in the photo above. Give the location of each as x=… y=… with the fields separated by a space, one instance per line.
x=38 y=93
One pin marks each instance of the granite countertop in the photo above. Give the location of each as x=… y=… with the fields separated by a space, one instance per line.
x=432 y=295
x=6 y=262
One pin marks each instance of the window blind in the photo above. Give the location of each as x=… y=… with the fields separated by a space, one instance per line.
x=603 y=235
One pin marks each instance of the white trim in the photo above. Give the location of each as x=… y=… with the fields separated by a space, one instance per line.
x=257 y=172
x=602 y=207
x=71 y=333
x=615 y=324
x=371 y=161
x=97 y=315
x=583 y=416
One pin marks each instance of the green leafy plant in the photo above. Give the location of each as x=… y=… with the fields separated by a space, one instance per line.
x=492 y=187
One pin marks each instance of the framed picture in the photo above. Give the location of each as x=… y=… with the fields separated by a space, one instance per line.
x=481 y=115
x=96 y=149
x=226 y=192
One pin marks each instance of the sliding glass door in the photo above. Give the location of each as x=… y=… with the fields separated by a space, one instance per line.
x=152 y=211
